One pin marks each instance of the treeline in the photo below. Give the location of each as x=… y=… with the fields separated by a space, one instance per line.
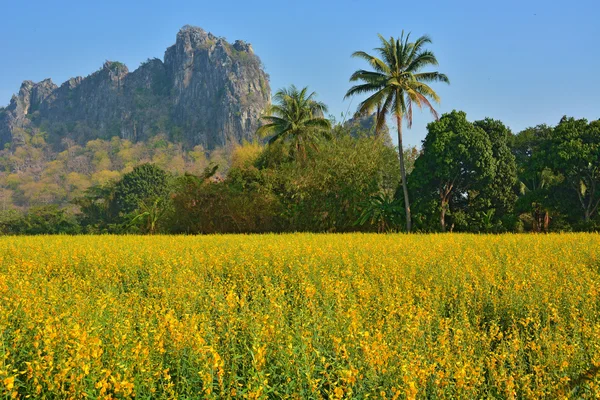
x=37 y=172
x=479 y=177
x=264 y=190
x=468 y=177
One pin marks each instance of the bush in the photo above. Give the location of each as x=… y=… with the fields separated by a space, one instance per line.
x=46 y=220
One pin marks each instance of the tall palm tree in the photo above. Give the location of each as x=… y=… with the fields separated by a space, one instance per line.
x=297 y=118
x=396 y=85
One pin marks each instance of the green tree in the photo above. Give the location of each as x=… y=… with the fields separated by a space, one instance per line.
x=530 y=147
x=457 y=160
x=98 y=211
x=202 y=205
x=395 y=86
x=501 y=193
x=536 y=205
x=10 y=221
x=150 y=212
x=328 y=194
x=146 y=181
x=296 y=118
x=45 y=220
x=576 y=155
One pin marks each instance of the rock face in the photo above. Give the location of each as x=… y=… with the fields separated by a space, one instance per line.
x=206 y=91
x=365 y=125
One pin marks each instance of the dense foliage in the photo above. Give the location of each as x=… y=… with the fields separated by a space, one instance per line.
x=300 y=316
x=269 y=191
x=467 y=177
x=36 y=173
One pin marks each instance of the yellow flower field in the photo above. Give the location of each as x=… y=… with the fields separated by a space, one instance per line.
x=300 y=316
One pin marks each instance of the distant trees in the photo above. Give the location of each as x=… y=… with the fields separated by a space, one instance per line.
x=558 y=169
x=534 y=205
x=37 y=173
x=395 y=86
x=136 y=202
x=548 y=183
x=264 y=192
x=501 y=192
x=46 y=220
x=466 y=176
x=327 y=194
x=207 y=206
x=98 y=211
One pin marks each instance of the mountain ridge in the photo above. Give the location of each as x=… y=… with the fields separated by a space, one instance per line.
x=205 y=91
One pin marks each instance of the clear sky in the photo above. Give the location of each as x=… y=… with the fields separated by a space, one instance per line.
x=523 y=62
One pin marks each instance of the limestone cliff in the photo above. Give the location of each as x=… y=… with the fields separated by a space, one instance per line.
x=206 y=91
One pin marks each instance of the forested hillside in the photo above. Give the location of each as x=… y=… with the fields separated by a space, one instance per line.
x=34 y=174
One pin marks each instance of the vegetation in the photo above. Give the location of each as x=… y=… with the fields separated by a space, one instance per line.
x=576 y=157
x=268 y=191
x=463 y=173
x=300 y=316
x=468 y=177
x=398 y=84
x=34 y=173
x=116 y=66
x=381 y=210
x=558 y=168
x=146 y=182
x=296 y=118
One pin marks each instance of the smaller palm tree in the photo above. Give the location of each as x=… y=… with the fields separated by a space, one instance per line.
x=296 y=118
x=381 y=210
x=149 y=214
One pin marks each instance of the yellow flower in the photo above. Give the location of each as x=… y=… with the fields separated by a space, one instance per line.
x=9 y=383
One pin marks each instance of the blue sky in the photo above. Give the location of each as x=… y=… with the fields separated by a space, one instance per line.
x=523 y=62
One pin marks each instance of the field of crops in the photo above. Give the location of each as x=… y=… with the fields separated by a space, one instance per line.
x=300 y=316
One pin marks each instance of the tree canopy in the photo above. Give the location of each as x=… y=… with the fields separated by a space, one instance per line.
x=456 y=163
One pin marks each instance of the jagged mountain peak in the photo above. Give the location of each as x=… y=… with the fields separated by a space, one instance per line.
x=194 y=34
x=206 y=91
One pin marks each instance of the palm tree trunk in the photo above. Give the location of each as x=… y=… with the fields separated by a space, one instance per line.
x=403 y=174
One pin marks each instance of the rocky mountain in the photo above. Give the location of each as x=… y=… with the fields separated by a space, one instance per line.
x=205 y=91
x=365 y=125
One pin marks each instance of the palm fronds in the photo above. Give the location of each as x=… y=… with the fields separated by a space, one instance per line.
x=296 y=118
x=396 y=85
